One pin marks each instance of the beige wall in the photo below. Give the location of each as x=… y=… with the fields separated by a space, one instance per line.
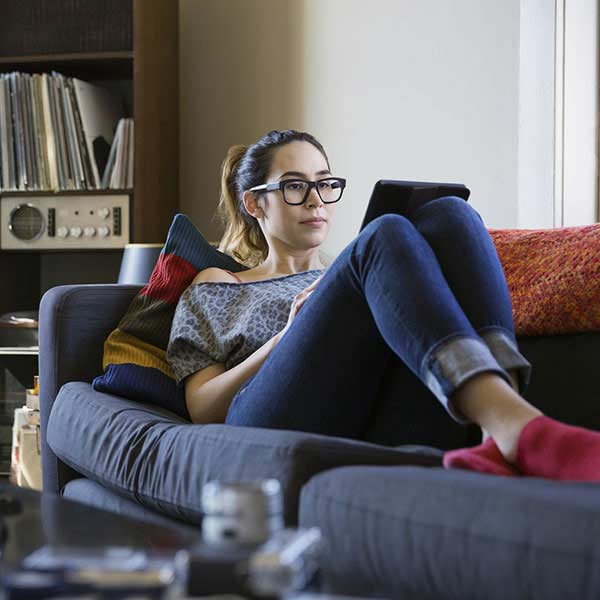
x=396 y=89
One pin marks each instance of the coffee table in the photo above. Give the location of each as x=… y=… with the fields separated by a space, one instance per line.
x=48 y=520
x=46 y=524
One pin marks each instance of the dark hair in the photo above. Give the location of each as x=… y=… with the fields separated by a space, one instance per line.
x=243 y=168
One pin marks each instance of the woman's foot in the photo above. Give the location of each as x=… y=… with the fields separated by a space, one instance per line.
x=537 y=445
x=554 y=450
x=485 y=458
x=491 y=402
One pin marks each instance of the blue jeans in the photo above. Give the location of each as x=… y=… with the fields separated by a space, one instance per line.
x=430 y=290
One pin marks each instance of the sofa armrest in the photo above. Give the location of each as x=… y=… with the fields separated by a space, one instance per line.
x=74 y=321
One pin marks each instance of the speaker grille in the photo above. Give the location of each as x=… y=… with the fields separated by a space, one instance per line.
x=26 y=222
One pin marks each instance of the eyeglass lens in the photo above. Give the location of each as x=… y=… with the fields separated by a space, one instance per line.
x=330 y=190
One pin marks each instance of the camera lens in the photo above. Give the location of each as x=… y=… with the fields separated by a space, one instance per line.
x=241 y=513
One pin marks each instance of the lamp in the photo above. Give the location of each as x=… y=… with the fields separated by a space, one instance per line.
x=138 y=262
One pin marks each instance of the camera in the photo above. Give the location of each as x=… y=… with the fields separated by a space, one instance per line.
x=245 y=547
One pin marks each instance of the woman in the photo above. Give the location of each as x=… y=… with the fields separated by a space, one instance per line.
x=430 y=289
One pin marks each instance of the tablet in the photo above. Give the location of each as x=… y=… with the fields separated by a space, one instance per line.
x=403 y=197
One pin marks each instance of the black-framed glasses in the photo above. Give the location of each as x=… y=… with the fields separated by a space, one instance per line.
x=296 y=191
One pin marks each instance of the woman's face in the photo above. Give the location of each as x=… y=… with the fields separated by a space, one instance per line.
x=282 y=221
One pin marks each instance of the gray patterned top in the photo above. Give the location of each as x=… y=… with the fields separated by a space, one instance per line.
x=226 y=322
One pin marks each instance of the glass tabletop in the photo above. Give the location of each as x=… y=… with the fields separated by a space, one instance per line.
x=34 y=520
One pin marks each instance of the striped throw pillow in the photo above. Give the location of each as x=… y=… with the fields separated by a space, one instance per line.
x=134 y=360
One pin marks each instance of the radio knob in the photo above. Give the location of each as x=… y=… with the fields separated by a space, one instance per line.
x=104 y=212
x=103 y=231
x=76 y=231
x=89 y=231
x=62 y=232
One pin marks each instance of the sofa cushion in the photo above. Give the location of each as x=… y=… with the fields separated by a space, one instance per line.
x=148 y=454
x=553 y=276
x=134 y=361
x=92 y=493
x=422 y=533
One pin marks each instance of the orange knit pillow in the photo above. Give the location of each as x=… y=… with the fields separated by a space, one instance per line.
x=553 y=276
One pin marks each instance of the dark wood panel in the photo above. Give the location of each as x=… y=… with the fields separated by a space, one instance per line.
x=19 y=281
x=83 y=266
x=108 y=65
x=156 y=109
x=63 y=26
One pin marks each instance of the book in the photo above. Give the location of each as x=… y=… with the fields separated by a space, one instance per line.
x=27 y=112
x=51 y=155
x=19 y=139
x=130 y=163
x=116 y=174
x=12 y=160
x=5 y=174
x=67 y=181
x=111 y=157
x=39 y=134
x=100 y=112
x=85 y=157
x=69 y=127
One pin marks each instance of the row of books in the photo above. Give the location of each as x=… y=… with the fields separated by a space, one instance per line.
x=56 y=132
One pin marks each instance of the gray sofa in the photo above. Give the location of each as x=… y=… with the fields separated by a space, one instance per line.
x=396 y=522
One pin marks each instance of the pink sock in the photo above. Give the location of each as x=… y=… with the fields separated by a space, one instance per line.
x=485 y=458
x=555 y=450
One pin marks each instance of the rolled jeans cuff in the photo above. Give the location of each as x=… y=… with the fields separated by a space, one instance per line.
x=451 y=363
x=506 y=352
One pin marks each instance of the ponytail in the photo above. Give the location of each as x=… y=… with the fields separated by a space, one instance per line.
x=243 y=238
x=243 y=168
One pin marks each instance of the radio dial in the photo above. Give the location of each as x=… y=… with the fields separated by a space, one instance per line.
x=104 y=212
x=103 y=231
x=76 y=231
x=89 y=231
x=62 y=232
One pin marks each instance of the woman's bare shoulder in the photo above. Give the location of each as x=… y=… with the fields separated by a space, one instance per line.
x=215 y=275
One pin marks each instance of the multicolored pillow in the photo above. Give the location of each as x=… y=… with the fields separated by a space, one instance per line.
x=134 y=361
x=553 y=276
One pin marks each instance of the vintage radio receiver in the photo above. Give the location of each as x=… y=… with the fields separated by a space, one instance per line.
x=59 y=222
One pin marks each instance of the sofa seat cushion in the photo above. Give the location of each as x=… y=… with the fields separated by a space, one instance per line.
x=149 y=454
x=93 y=494
x=409 y=532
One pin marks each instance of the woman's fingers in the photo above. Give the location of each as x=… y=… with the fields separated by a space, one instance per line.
x=300 y=297
x=313 y=284
x=303 y=299
x=304 y=294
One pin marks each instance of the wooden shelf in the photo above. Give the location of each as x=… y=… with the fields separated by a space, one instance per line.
x=91 y=65
x=101 y=192
x=19 y=350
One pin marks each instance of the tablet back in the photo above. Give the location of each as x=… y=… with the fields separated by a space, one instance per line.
x=403 y=197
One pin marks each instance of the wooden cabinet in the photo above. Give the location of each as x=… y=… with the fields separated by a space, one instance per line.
x=131 y=47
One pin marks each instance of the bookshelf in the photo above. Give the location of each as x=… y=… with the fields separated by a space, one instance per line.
x=132 y=48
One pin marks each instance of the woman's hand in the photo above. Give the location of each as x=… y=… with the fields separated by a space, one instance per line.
x=297 y=303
